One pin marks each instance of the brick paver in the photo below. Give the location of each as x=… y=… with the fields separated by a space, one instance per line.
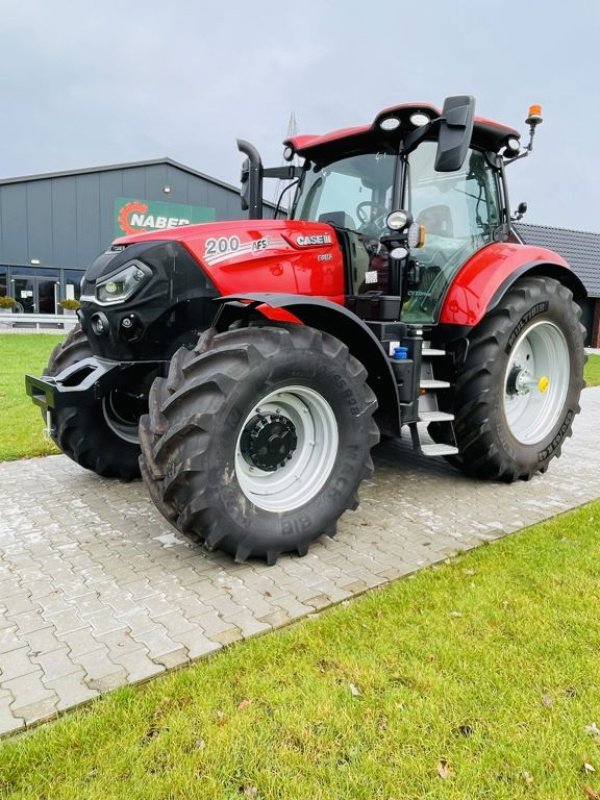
x=97 y=591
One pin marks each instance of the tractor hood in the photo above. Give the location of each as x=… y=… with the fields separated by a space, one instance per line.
x=277 y=255
x=152 y=288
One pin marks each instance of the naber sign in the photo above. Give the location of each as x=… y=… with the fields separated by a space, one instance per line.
x=133 y=215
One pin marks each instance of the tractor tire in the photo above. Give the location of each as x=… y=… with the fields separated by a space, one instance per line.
x=517 y=394
x=258 y=439
x=87 y=434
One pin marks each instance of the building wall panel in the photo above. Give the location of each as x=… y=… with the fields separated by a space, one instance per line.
x=134 y=182
x=179 y=182
x=39 y=222
x=111 y=186
x=64 y=221
x=156 y=180
x=14 y=245
x=87 y=244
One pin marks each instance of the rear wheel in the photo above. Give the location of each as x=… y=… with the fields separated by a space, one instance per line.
x=518 y=392
x=257 y=440
x=102 y=437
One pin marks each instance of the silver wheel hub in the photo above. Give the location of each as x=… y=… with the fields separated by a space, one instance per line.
x=536 y=382
x=286 y=448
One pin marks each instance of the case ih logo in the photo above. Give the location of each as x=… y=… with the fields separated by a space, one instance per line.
x=313 y=240
x=136 y=216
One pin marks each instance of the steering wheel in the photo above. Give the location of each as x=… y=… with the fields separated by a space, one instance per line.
x=377 y=210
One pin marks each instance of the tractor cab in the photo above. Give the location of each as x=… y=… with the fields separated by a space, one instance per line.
x=443 y=178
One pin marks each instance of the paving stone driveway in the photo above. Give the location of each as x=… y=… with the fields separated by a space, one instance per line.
x=97 y=591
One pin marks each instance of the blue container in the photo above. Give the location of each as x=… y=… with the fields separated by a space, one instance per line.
x=400 y=353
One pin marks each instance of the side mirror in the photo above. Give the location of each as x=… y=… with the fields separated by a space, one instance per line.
x=520 y=212
x=456 y=129
x=251 y=180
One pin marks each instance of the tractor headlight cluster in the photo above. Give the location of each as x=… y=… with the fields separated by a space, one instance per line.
x=123 y=284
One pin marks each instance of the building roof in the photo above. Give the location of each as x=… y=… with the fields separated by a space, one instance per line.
x=110 y=167
x=580 y=248
x=130 y=165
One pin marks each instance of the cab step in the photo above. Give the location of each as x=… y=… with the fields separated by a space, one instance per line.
x=433 y=450
x=422 y=441
x=435 y=416
x=432 y=383
x=430 y=352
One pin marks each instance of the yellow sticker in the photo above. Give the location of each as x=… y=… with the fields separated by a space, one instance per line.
x=543 y=383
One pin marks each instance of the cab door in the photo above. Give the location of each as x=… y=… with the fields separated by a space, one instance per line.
x=461 y=213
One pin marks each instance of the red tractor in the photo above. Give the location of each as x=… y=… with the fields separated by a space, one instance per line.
x=395 y=295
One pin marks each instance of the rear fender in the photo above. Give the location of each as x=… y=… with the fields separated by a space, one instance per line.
x=486 y=277
x=337 y=321
x=564 y=275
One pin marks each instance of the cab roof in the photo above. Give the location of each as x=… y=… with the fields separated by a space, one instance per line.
x=487 y=134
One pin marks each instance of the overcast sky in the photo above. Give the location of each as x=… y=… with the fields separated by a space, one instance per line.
x=91 y=83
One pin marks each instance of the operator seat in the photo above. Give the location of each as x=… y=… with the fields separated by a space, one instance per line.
x=437 y=220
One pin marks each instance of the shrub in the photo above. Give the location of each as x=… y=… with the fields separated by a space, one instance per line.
x=69 y=305
x=7 y=302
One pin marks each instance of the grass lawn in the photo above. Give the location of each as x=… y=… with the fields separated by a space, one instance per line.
x=592 y=370
x=21 y=434
x=479 y=678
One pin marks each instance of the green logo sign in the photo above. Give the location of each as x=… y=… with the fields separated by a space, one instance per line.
x=136 y=216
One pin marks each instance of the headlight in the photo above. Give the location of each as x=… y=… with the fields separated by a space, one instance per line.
x=123 y=284
x=419 y=118
x=389 y=124
x=397 y=220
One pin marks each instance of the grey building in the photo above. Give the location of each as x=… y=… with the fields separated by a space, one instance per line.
x=581 y=249
x=52 y=226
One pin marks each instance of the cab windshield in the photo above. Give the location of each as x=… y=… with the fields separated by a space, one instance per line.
x=354 y=192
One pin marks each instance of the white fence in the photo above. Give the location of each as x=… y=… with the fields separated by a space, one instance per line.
x=39 y=323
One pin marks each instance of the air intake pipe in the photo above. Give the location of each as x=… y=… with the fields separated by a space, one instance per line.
x=251 y=189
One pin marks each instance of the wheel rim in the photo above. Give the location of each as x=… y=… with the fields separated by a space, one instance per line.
x=295 y=437
x=536 y=382
x=122 y=411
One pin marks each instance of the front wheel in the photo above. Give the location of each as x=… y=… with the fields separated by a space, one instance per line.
x=102 y=437
x=257 y=440
x=518 y=392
